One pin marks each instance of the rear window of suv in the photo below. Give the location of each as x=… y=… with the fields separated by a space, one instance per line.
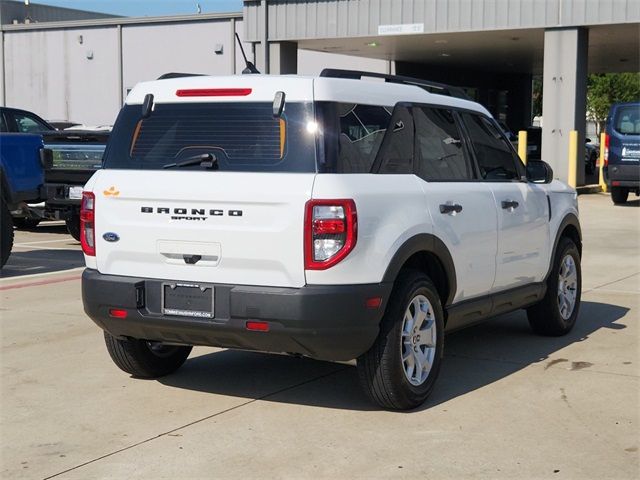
x=243 y=136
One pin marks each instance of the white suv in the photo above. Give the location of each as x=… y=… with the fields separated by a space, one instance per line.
x=336 y=218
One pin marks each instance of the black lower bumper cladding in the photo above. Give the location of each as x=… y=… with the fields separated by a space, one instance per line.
x=328 y=322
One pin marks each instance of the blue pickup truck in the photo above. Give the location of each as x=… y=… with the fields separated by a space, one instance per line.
x=21 y=181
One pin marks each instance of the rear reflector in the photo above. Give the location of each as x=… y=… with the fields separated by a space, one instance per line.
x=257 y=326
x=117 y=313
x=214 y=92
x=615 y=183
x=373 y=302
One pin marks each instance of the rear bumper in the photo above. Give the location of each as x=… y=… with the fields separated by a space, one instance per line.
x=324 y=322
x=619 y=175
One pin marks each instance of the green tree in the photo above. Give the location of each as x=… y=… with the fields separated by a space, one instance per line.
x=603 y=89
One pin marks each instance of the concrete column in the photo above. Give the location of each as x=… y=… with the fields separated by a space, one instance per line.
x=564 y=103
x=283 y=58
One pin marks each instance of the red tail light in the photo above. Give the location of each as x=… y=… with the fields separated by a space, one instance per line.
x=87 y=223
x=606 y=150
x=330 y=232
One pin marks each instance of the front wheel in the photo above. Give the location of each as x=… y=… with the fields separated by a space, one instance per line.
x=557 y=312
x=400 y=369
x=145 y=359
x=619 y=195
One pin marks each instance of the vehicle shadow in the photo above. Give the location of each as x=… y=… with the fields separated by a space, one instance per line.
x=505 y=343
x=41 y=261
x=630 y=203
x=48 y=227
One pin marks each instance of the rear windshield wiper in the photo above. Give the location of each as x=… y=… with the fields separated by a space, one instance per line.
x=207 y=160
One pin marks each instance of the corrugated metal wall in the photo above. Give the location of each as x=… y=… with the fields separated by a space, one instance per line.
x=306 y=19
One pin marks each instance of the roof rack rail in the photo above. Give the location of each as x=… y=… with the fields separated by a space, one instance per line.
x=428 y=85
x=166 y=76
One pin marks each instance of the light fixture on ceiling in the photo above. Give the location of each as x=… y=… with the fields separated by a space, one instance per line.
x=373 y=44
x=441 y=42
x=444 y=54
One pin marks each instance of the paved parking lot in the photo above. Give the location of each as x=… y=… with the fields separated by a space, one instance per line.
x=508 y=403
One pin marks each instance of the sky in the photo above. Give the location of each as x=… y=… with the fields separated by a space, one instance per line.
x=150 y=8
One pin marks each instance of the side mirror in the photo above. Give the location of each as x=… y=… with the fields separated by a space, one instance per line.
x=587 y=140
x=539 y=172
x=46 y=158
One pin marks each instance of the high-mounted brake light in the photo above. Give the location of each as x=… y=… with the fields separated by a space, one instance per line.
x=330 y=232
x=87 y=224
x=214 y=92
x=606 y=149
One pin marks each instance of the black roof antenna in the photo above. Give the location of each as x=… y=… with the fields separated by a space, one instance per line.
x=250 y=67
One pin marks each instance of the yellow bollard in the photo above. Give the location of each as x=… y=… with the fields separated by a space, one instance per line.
x=522 y=146
x=572 y=176
x=601 y=182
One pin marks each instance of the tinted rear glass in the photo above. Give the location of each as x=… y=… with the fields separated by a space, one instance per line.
x=627 y=120
x=242 y=137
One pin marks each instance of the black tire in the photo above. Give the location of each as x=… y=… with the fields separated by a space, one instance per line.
x=381 y=370
x=22 y=223
x=6 y=234
x=144 y=359
x=545 y=317
x=619 y=195
x=73 y=227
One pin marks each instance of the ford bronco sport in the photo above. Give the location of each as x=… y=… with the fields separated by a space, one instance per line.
x=332 y=217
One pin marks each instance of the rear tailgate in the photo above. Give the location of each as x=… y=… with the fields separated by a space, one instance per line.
x=222 y=227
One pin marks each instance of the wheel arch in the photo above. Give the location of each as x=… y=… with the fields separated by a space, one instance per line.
x=427 y=253
x=570 y=228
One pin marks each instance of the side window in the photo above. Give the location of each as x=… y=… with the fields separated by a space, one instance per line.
x=396 y=152
x=362 y=129
x=3 y=124
x=441 y=154
x=28 y=123
x=495 y=158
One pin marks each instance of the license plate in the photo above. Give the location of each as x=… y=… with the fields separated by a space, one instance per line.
x=188 y=300
x=75 y=193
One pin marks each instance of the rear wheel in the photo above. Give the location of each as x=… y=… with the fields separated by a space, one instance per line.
x=619 y=195
x=145 y=359
x=26 y=223
x=6 y=233
x=73 y=226
x=557 y=312
x=400 y=369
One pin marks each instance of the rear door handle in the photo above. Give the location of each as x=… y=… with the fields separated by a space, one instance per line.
x=450 y=208
x=509 y=204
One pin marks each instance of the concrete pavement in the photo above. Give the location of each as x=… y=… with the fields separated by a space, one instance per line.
x=508 y=404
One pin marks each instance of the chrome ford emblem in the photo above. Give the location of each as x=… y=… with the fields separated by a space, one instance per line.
x=111 y=237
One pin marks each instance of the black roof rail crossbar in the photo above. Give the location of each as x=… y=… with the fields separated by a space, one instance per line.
x=433 y=87
x=165 y=76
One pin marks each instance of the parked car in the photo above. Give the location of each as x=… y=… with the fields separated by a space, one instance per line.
x=622 y=151
x=534 y=149
x=352 y=220
x=22 y=178
x=75 y=155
